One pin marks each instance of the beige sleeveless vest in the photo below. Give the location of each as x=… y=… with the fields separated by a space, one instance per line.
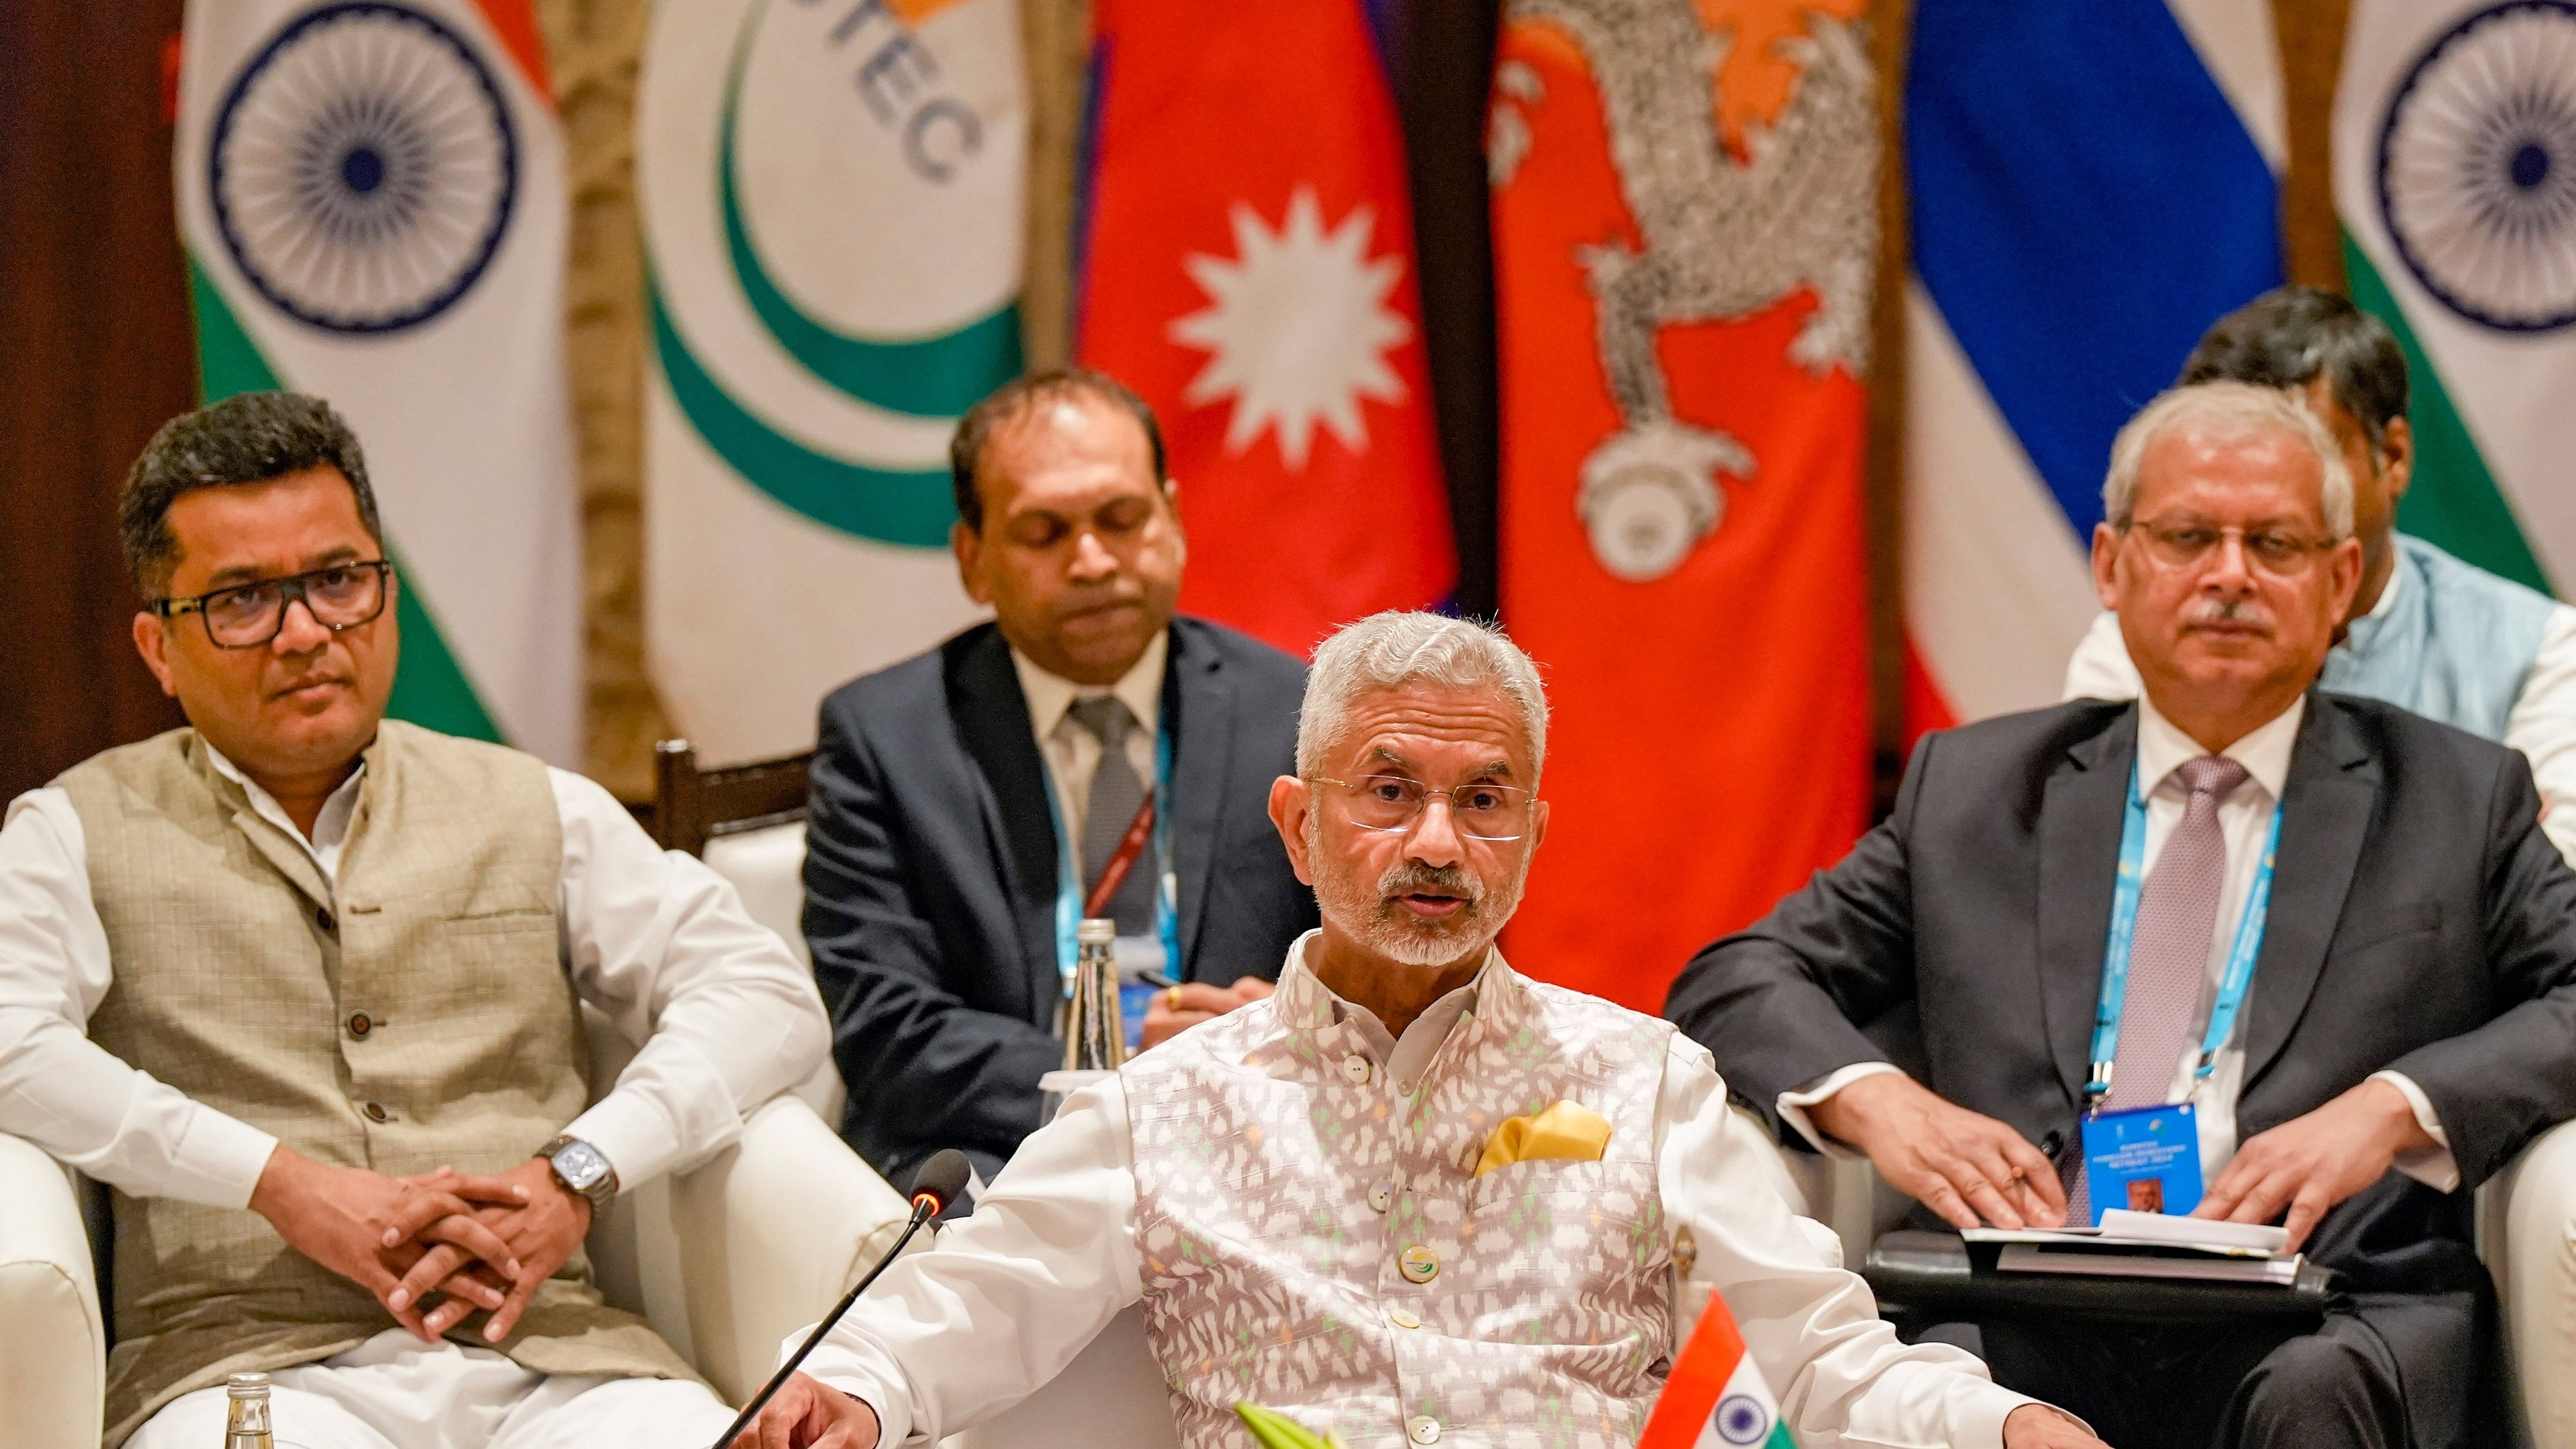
x=1282 y=1194
x=241 y=979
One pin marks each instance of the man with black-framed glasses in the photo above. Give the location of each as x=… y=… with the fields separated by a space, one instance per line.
x=303 y=984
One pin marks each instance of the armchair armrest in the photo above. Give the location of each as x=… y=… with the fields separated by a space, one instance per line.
x=771 y=1234
x=2527 y=1234
x=53 y=1343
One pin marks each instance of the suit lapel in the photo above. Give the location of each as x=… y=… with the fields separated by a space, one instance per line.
x=2079 y=857
x=993 y=724
x=1198 y=708
x=2325 y=813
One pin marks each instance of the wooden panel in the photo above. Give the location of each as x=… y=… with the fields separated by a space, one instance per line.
x=95 y=352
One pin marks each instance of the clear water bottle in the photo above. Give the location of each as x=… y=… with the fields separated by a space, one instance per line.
x=1095 y=1035
x=246 y=1420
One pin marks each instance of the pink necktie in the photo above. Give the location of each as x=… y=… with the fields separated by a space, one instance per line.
x=2168 y=957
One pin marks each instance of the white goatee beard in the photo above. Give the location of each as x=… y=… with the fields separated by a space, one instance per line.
x=1370 y=915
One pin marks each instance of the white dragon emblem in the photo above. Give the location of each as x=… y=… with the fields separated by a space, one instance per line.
x=1723 y=239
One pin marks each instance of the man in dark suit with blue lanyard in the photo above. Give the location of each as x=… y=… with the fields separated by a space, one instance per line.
x=1084 y=753
x=2323 y=941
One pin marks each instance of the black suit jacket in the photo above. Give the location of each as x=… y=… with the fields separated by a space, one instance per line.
x=930 y=877
x=2419 y=921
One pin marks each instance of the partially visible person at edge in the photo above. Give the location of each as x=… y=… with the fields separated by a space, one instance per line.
x=1414 y=1197
x=304 y=986
x=2408 y=1025
x=967 y=800
x=2427 y=631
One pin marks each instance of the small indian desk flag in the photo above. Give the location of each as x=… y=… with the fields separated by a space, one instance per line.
x=1716 y=1398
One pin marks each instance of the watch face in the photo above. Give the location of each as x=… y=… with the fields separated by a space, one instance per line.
x=581 y=1166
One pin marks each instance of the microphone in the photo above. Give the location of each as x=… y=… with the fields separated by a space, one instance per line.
x=937 y=1185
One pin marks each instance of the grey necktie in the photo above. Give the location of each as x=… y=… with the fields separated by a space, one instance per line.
x=1116 y=795
x=2168 y=955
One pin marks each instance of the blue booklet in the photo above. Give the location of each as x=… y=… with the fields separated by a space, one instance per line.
x=2146 y=1159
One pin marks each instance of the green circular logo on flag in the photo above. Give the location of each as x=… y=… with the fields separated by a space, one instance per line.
x=831 y=199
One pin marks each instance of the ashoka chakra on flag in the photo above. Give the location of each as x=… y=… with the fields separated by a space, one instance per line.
x=362 y=167
x=2477 y=167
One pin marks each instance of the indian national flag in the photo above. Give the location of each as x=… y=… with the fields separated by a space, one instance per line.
x=1716 y=1398
x=2455 y=174
x=371 y=197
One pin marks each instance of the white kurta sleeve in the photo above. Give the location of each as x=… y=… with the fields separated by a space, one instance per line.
x=2100 y=668
x=59 y=1089
x=722 y=1015
x=1839 y=1372
x=1006 y=1298
x=2543 y=727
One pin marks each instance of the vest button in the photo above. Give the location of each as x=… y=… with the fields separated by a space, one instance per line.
x=322 y=918
x=360 y=1024
x=1402 y=1319
x=1355 y=1070
x=1381 y=1196
x=1422 y=1429
x=376 y=1112
x=1419 y=1264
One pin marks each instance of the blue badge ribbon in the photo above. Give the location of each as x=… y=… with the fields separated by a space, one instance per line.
x=2124 y=928
x=1068 y=870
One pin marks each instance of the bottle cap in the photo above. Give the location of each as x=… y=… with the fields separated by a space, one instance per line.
x=246 y=1386
x=1096 y=931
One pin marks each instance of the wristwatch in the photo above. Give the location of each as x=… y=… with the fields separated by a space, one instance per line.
x=582 y=1168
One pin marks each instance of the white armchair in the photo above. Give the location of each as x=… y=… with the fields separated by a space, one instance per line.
x=725 y=1261
x=2526 y=1234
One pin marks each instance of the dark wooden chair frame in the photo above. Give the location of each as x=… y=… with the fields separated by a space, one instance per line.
x=693 y=806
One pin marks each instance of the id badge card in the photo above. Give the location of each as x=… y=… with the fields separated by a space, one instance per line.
x=2146 y=1159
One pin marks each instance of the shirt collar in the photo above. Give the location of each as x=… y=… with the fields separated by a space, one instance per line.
x=1140 y=688
x=2387 y=602
x=2264 y=751
x=1309 y=1002
x=330 y=828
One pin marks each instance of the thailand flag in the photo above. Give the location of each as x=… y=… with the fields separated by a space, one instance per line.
x=2091 y=186
x=1247 y=266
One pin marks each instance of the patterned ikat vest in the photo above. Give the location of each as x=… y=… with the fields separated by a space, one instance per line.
x=1290 y=1200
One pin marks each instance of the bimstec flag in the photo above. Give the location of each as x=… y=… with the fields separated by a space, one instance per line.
x=1248 y=269
x=2091 y=187
x=2455 y=174
x=831 y=200
x=371 y=198
x=1716 y=1398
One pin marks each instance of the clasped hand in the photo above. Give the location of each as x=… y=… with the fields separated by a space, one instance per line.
x=434 y=1247
x=1975 y=1171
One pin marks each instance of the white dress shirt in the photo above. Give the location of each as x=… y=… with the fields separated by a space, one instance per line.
x=1072 y=753
x=2244 y=819
x=724 y=1017
x=2542 y=724
x=1007 y=1297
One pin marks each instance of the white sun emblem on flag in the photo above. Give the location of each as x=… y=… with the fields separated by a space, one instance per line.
x=1297 y=327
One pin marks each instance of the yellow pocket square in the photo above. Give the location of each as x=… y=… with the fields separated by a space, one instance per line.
x=1567 y=1131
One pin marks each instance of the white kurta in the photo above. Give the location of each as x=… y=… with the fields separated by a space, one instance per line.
x=724 y=1016
x=1009 y=1296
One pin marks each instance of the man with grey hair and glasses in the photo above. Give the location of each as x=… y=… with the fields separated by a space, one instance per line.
x=2425 y=630
x=2316 y=942
x=1413 y=1198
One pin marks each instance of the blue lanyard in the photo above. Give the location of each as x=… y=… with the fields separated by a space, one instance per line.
x=2124 y=928
x=1068 y=871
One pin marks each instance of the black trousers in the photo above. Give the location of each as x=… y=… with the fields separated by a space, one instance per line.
x=2382 y=1371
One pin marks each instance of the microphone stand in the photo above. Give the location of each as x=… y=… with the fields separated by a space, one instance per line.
x=924 y=1207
